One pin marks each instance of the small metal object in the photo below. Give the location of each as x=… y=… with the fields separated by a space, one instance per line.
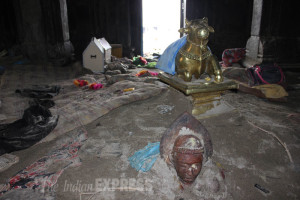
x=262 y=188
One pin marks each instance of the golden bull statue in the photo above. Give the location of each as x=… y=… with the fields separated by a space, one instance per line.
x=195 y=57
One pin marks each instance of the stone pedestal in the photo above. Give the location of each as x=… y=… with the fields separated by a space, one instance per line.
x=206 y=94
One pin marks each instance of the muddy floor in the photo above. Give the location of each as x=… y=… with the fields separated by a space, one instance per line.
x=244 y=148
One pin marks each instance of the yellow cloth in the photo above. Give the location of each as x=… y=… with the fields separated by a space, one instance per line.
x=272 y=90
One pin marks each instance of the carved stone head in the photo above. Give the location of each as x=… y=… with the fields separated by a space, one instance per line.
x=185 y=146
x=187 y=157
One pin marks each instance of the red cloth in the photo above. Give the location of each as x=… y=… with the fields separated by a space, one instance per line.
x=230 y=56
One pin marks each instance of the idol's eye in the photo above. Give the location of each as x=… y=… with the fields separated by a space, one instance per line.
x=203 y=33
x=184 y=165
x=196 y=165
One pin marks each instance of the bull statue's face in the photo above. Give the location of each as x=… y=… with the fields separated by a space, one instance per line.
x=197 y=29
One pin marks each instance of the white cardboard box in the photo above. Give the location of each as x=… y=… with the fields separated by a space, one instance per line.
x=96 y=54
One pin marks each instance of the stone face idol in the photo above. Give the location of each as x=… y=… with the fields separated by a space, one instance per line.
x=195 y=57
x=187 y=158
x=186 y=146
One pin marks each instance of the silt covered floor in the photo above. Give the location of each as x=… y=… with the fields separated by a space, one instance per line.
x=243 y=147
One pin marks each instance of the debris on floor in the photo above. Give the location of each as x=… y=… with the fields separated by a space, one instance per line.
x=7 y=160
x=230 y=56
x=139 y=61
x=261 y=188
x=145 y=158
x=164 y=109
x=80 y=83
x=144 y=73
x=273 y=92
x=125 y=115
x=37 y=122
x=40 y=91
x=44 y=173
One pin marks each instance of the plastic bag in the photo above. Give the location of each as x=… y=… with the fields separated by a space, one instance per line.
x=145 y=158
x=36 y=123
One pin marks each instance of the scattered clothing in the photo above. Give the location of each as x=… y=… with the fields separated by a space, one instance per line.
x=246 y=82
x=37 y=123
x=266 y=73
x=230 y=56
x=39 y=174
x=95 y=86
x=80 y=83
x=144 y=73
x=43 y=102
x=150 y=65
x=272 y=91
x=40 y=91
x=145 y=158
x=139 y=61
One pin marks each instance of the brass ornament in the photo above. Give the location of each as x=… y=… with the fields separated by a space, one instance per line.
x=195 y=57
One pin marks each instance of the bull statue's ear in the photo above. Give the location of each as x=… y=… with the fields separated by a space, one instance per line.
x=210 y=29
x=187 y=23
x=184 y=30
x=181 y=30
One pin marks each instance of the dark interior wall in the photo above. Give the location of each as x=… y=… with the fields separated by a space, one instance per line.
x=231 y=20
x=8 y=27
x=30 y=27
x=119 y=21
x=36 y=25
x=280 y=18
x=33 y=40
x=51 y=21
x=280 y=30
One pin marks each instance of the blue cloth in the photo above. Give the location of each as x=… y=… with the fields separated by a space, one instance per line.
x=145 y=158
x=166 y=61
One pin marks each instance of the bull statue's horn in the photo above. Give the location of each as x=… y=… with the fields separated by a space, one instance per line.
x=187 y=23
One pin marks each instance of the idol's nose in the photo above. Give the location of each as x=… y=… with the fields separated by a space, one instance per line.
x=190 y=171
